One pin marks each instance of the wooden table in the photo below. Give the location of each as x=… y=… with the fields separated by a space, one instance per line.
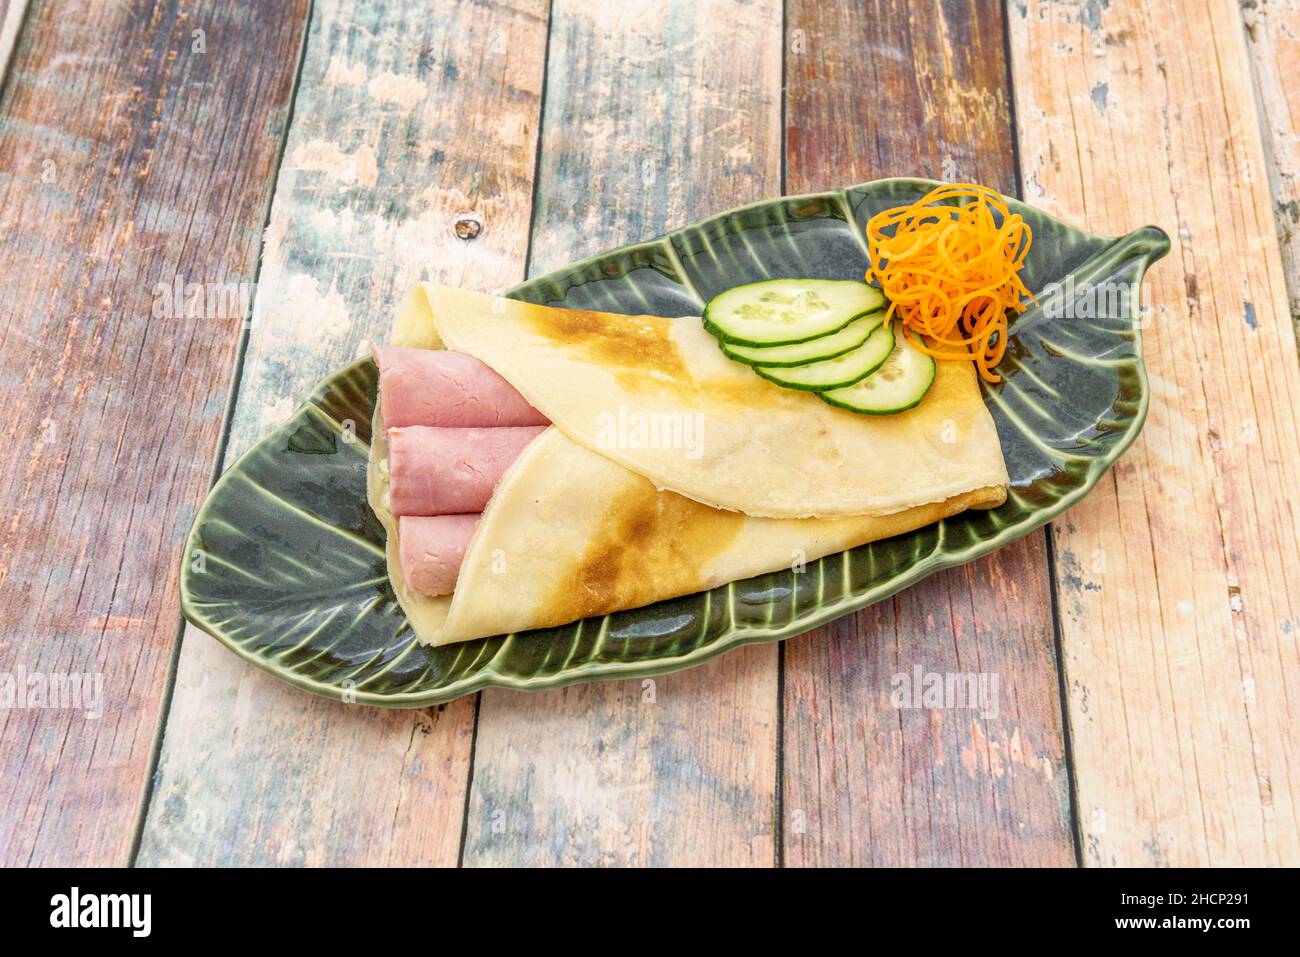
x=1146 y=644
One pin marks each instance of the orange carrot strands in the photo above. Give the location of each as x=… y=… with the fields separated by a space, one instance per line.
x=950 y=272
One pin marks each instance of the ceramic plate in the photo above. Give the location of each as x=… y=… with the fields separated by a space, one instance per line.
x=285 y=563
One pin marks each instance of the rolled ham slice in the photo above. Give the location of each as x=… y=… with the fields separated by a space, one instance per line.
x=444 y=471
x=449 y=389
x=432 y=548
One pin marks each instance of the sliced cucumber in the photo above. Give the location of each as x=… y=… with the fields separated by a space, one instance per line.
x=784 y=311
x=835 y=373
x=900 y=383
x=814 y=350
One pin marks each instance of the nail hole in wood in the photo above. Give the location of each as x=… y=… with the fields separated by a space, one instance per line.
x=468 y=226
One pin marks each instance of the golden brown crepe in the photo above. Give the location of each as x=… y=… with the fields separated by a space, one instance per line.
x=670 y=469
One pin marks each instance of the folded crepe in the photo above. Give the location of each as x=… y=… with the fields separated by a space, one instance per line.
x=668 y=468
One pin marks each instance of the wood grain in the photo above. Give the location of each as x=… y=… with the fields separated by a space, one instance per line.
x=656 y=114
x=127 y=157
x=1273 y=42
x=1180 y=597
x=404 y=122
x=900 y=89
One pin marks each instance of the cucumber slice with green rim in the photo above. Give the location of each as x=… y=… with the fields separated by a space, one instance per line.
x=835 y=373
x=779 y=312
x=898 y=385
x=814 y=350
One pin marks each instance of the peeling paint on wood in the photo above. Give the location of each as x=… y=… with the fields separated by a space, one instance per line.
x=127 y=158
x=866 y=782
x=402 y=122
x=654 y=118
x=1273 y=43
x=1179 y=605
x=677 y=135
x=133 y=153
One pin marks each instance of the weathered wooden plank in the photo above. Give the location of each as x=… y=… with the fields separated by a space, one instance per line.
x=406 y=118
x=903 y=89
x=656 y=114
x=1180 y=599
x=130 y=153
x=1273 y=42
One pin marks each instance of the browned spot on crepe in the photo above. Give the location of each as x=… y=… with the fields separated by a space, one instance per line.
x=657 y=545
x=654 y=544
x=633 y=347
x=640 y=342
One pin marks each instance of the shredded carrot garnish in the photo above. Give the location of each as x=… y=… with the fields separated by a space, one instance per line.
x=949 y=265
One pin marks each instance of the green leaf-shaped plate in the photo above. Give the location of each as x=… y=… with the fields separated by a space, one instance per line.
x=285 y=563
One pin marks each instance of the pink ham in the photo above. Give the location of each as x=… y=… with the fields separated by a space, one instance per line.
x=432 y=548
x=442 y=471
x=451 y=389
